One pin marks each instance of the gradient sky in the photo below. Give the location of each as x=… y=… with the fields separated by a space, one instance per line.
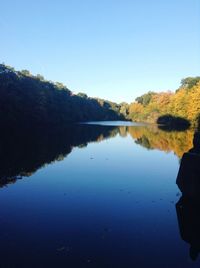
x=114 y=49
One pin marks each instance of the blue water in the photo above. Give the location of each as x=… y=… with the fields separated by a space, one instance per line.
x=108 y=204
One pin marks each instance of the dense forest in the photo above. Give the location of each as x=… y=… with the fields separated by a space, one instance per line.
x=31 y=100
x=167 y=107
x=26 y=99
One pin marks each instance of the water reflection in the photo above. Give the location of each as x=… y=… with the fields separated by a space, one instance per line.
x=152 y=137
x=188 y=207
x=23 y=152
x=111 y=211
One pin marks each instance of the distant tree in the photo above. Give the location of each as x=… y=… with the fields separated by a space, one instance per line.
x=145 y=98
x=59 y=85
x=40 y=77
x=189 y=82
x=124 y=109
x=25 y=72
x=82 y=95
x=3 y=66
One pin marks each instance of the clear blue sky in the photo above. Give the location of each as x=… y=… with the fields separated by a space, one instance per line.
x=114 y=49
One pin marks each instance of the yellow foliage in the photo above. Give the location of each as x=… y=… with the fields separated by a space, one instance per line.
x=184 y=103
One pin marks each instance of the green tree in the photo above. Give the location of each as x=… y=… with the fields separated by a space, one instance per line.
x=25 y=72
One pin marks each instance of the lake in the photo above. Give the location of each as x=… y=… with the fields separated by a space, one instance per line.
x=95 y=195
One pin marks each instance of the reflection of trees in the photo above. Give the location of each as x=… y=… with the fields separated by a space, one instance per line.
x=153 y=138
x=23 y=152
x=123 y=131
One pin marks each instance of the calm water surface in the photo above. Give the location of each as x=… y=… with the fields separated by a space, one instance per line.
x=93 y=196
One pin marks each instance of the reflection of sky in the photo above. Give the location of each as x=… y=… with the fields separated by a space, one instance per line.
x=114 y=123
x=110 y=201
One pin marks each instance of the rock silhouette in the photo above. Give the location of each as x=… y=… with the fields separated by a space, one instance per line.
x=188 y=207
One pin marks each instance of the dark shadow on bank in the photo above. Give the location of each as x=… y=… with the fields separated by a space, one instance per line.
x=172 y=123
x=188 y=207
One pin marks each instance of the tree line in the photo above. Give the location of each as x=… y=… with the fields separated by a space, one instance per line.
x=26 y=99
x=165 y=107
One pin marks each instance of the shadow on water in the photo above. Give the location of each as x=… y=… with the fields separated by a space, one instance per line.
x=24 y=151
x=188 y=207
